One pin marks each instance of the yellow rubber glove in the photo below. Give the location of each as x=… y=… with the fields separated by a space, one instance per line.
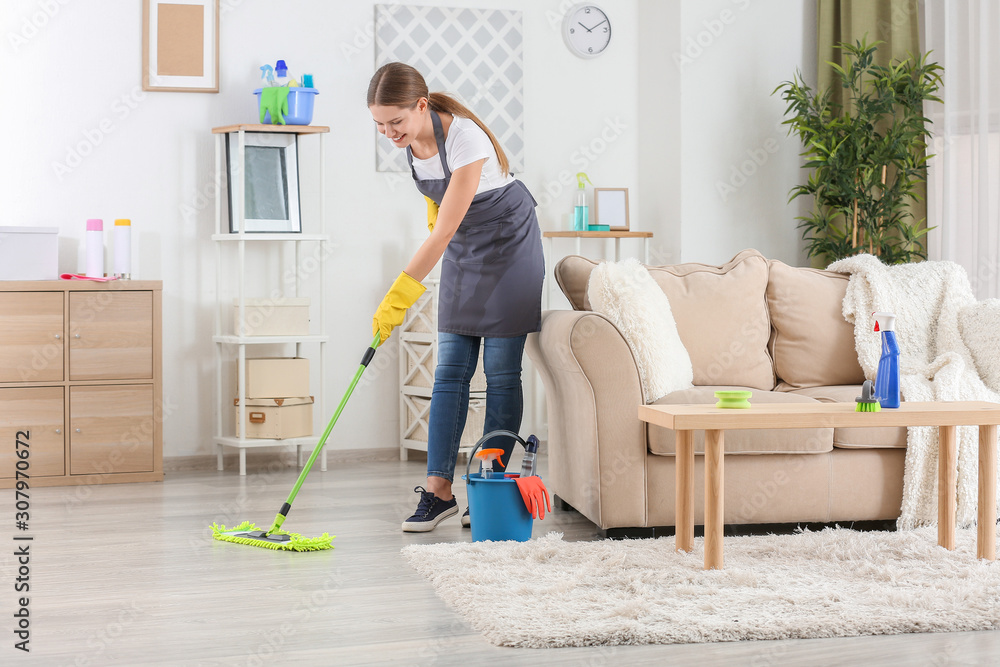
x=403 y=294
x=432 y=215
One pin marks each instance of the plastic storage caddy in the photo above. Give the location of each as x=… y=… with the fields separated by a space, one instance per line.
x=300 y=106
x=496 y=509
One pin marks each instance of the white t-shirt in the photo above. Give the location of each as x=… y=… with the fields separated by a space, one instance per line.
x=466 y=142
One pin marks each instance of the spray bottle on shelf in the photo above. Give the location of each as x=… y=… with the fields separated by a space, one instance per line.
x=281 y=77
x=580 y=217
x=530 y=455
x=887 y=376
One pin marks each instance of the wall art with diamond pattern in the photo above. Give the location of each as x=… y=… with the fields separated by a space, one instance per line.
x=477 y=55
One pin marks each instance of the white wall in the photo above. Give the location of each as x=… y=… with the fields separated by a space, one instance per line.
x=85 y=141
x=149 y=157
x=712 y=139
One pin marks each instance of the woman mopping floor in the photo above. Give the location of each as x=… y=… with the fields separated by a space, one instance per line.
x=482 y=220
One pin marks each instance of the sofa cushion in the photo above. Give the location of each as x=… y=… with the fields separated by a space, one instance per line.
x=813 y=345
x=625 y=293
x=750 y=441
x=721 y=314
x=978 y=322
x=855 y=438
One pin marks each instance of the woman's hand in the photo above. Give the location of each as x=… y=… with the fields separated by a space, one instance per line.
x=455 y=204
x=390 y=313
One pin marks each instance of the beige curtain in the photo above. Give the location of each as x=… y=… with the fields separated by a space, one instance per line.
x=894 y=22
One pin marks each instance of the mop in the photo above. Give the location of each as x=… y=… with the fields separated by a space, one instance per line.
x=274 y=537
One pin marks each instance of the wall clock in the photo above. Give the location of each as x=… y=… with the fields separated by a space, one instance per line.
x=587 y=30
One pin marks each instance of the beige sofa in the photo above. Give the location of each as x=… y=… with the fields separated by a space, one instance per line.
x=751 y=323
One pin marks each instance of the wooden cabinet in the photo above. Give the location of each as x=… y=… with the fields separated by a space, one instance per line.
x=111 y=335
x=92 y=407
x=38 y=411
x=31 y=336
x=111 y=429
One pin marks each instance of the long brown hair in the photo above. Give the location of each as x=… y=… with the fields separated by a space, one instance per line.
x=400 y=85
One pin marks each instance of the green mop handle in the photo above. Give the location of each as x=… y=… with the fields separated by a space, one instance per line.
x=283 y=512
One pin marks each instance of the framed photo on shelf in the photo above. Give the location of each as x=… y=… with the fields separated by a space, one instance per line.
x=180 y=46
x=611 y=208
x=268 y=177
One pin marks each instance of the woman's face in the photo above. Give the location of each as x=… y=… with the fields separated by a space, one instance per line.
x=399 y=124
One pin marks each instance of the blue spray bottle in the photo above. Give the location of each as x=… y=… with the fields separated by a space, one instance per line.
x=887 y=376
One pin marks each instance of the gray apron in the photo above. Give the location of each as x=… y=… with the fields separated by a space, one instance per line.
x=492 y=272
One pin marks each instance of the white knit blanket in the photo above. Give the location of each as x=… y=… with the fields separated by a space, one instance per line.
x=934 y=307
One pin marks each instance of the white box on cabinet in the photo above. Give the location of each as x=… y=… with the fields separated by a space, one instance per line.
x=29 y=253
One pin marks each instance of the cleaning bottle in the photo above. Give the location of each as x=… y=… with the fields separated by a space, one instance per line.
x=123 y=249
x=887 y=375
x=530 y=455
x=488 y=456
x=95 y=248
x=580 y=217
x=281 y=77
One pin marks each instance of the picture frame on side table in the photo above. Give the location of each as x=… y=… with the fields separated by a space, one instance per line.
x=611 y=208
x=180 y=46
x=270 y=182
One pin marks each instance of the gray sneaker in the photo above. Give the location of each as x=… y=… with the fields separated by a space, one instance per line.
x=466 y=519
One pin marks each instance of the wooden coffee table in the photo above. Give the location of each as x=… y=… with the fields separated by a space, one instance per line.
x=685 y=419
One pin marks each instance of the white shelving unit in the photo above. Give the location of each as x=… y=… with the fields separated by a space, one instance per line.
x=417 y=361
x=228 y=341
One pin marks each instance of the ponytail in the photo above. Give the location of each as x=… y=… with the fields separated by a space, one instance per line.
x=448 y=104
x=400 y=85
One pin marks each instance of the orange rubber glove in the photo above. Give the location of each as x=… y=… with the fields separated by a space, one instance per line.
x=432 y=214
x=535 y=496
x=389 y=315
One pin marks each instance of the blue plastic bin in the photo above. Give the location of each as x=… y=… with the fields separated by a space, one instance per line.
x=496 y=509
x=300 y=106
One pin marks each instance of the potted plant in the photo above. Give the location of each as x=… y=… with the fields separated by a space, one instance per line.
x=867 y=157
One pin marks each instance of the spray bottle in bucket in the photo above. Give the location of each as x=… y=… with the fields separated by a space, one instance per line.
x=496 y=508
x=887 y=375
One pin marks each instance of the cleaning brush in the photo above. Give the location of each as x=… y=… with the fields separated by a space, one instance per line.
x=866 y=402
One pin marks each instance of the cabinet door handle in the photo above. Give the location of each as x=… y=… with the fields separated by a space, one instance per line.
x=77 y=430
x=76 y=336
x=58 y=336
x=58 y=430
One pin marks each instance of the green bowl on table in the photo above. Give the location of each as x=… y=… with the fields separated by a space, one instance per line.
x=733 y=398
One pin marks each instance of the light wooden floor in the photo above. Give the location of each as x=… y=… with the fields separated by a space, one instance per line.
x=128 y=575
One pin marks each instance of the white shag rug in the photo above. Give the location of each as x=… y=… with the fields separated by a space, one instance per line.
x=548 y=593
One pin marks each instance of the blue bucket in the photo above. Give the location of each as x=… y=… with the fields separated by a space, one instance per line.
x=496 y=509
x=300 y=106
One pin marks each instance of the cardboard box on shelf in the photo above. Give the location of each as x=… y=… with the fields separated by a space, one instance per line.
x=277 y=377
x=276 y=418
x=282 y=316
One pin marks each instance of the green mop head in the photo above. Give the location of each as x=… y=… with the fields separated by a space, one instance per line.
x=248 y=533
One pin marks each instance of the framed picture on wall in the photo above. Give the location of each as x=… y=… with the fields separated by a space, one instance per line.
x=611 y=208
x=268 y=177
x=180 y=46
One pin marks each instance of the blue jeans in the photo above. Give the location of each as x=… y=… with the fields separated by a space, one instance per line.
x=457 y=359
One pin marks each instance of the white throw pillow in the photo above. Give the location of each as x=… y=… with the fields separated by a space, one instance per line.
x=627 y=295
x=979 y=324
